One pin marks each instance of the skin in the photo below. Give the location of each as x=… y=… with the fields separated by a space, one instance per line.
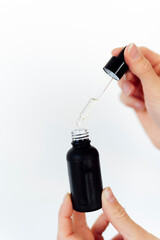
x=140 y=91
x=72 y=225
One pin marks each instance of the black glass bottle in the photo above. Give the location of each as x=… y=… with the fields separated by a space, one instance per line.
x=84 y=173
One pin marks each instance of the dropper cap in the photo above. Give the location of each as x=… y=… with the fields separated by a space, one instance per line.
x=116 y=66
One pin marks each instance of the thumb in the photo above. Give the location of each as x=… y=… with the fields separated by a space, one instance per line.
x=118 y=217
x=142 y=68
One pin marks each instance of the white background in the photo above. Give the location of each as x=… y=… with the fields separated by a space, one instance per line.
x=51 y=56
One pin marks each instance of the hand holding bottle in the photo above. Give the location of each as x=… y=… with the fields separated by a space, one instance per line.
x=72 y=225
x=141 y=87
x=117 y=216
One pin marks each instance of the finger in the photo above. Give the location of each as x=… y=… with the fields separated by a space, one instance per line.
x=128 y=88
x=99 y=226
x=142 y=68
x=79 y=220
x=116 y=51
x=119 y=218
x=153 y=57
x=133 y=102
x=129 y=76
x=118 y=237
x=65 y=224
x=131 y=86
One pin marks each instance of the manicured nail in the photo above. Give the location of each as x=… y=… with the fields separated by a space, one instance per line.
x=139 y=106
x=109 y=195
x=133 y=51
x=127 y=88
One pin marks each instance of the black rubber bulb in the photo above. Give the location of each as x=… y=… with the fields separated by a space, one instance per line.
x=116 y=67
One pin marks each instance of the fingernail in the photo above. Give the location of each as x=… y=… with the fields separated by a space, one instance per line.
x=127 y=88
x=124 y=77
x=139 y=106
x=65 y=197
x=133 y=51
x=113 y=52
x=109 y=195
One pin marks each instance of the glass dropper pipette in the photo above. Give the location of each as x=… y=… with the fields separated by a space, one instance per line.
x=115 y=69
x=93 y=100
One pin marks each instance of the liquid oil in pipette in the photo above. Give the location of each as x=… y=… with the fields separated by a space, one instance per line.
x=90 y=105
x=86 y=111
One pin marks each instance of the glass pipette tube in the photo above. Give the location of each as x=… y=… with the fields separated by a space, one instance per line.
x=93 y=100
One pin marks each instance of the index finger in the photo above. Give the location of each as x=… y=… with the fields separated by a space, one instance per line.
x=100 y=225
x=65 y=224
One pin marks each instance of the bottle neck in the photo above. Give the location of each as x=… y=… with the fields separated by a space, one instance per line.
x=80 y=138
